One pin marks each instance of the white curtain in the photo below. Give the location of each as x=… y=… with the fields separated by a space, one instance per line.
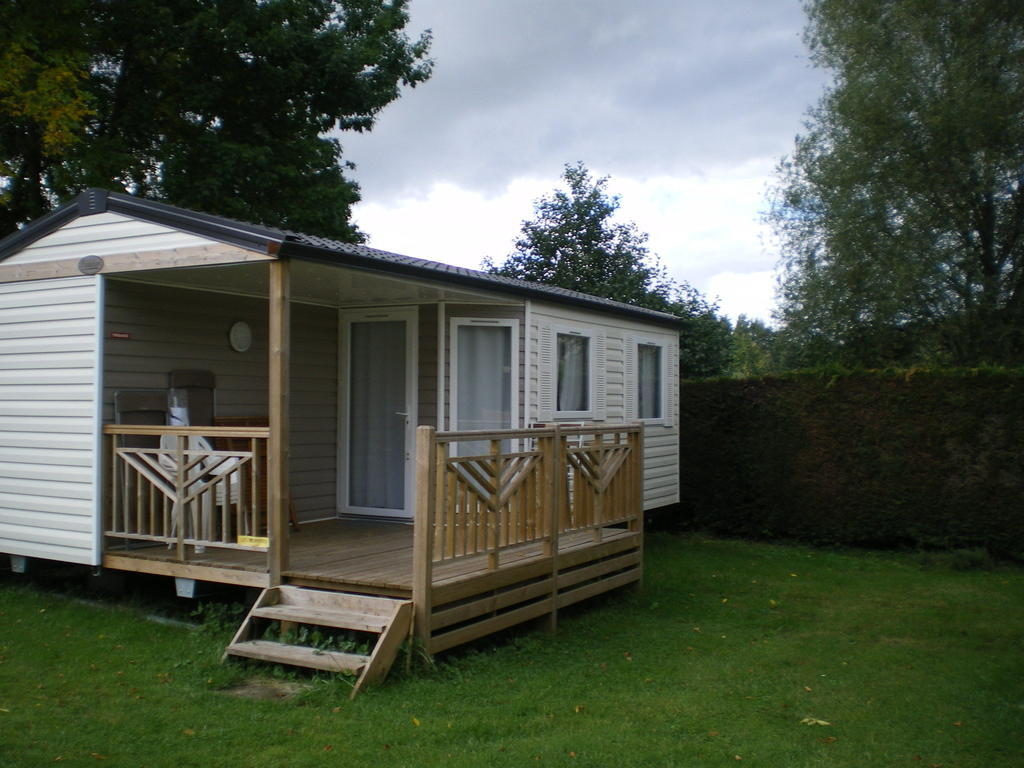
x=376 y=425
x=573 y=373
x=484 y=381
x=648 y=381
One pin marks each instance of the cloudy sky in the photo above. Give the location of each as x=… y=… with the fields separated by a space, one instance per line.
x=686 y=104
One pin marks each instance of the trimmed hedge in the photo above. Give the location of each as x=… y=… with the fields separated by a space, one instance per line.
x=931 y=459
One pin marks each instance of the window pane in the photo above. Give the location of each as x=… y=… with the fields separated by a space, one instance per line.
x=648 y=381
x=484 y=381
x=573 y=373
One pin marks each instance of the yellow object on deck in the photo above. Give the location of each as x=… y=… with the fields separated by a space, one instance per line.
x=254 y=541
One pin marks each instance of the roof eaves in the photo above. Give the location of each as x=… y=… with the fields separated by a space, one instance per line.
x=39 y=228
x=362 y=257
x=252 y=237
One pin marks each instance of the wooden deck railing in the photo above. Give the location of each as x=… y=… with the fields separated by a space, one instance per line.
x=529 y=486
x=172 y=485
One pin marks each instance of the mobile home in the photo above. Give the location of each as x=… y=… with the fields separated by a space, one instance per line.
x=358 y=432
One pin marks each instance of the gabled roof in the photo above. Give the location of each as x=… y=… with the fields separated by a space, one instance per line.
x=287 y=244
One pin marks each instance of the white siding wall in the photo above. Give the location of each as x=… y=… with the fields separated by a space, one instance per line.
x=103 y=234
x=48 y=419
x=615 y=340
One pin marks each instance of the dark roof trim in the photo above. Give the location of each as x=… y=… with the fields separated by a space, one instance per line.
x=264 y=239
x=39 y=228
x=92 y=201
x=249 y=236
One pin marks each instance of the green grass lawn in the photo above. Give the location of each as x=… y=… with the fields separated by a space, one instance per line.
x=731 y=653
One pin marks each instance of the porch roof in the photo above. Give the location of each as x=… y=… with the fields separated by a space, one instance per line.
x=284 y=243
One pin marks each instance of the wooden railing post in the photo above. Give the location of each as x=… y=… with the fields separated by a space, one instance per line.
x=637 y=476
x=423 y=533
x=554 y=478
x=179 y=492
x=493 y=512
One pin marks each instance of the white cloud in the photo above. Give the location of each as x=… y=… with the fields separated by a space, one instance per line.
x=745 y=293
x=687 y=106
x=451 y=224
x=705 y=229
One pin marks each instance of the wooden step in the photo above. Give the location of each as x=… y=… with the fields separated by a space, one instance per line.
x=333 y=601
x=361 y=622
x=299 y=656
x=389 y=618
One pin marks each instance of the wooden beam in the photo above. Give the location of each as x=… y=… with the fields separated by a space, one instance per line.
x=194 y=256
x=278 y=492
x=184 y=570
x=423 y=534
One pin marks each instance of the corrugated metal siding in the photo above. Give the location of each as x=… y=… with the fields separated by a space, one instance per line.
x=48 y=419
x=103 y=234
x=661 y=438
x=174 y=328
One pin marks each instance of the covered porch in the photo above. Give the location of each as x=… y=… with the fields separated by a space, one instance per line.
x=480 y=529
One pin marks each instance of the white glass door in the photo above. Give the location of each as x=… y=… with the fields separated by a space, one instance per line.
x=485 y=378
x=378 y=415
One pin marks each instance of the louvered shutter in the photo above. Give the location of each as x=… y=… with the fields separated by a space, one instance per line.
x=629 y=382
x=546 y=375
x=671 y=383
x=600 y=374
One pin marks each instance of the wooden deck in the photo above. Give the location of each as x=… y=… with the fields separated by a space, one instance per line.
x=544 y=518
x=468 y=599
x=345 y=555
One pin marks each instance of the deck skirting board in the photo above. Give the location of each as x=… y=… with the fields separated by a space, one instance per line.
x=478 y=607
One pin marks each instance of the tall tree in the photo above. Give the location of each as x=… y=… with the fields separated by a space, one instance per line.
x=753 y=349
x=901 y=210
x=574 y=242
x=228 y=106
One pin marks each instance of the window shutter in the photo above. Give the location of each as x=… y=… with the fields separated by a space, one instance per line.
x=629 y=382
x=600 y=374
x=672 y=383
x=546 y=375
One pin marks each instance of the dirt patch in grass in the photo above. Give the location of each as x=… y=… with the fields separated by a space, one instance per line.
x=273 y=690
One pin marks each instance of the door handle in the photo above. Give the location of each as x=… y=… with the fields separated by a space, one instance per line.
x=401 y=413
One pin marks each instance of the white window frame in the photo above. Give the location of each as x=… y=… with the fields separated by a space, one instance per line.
x=453 y=364
x=663 y=368
x=592 y=371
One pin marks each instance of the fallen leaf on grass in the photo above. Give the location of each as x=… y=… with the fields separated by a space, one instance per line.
x=807 y=688
x=579 y=708
x=829 y=740
x=189 y=732
x=814 y=721
x=416 y=721
x=328 y=747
